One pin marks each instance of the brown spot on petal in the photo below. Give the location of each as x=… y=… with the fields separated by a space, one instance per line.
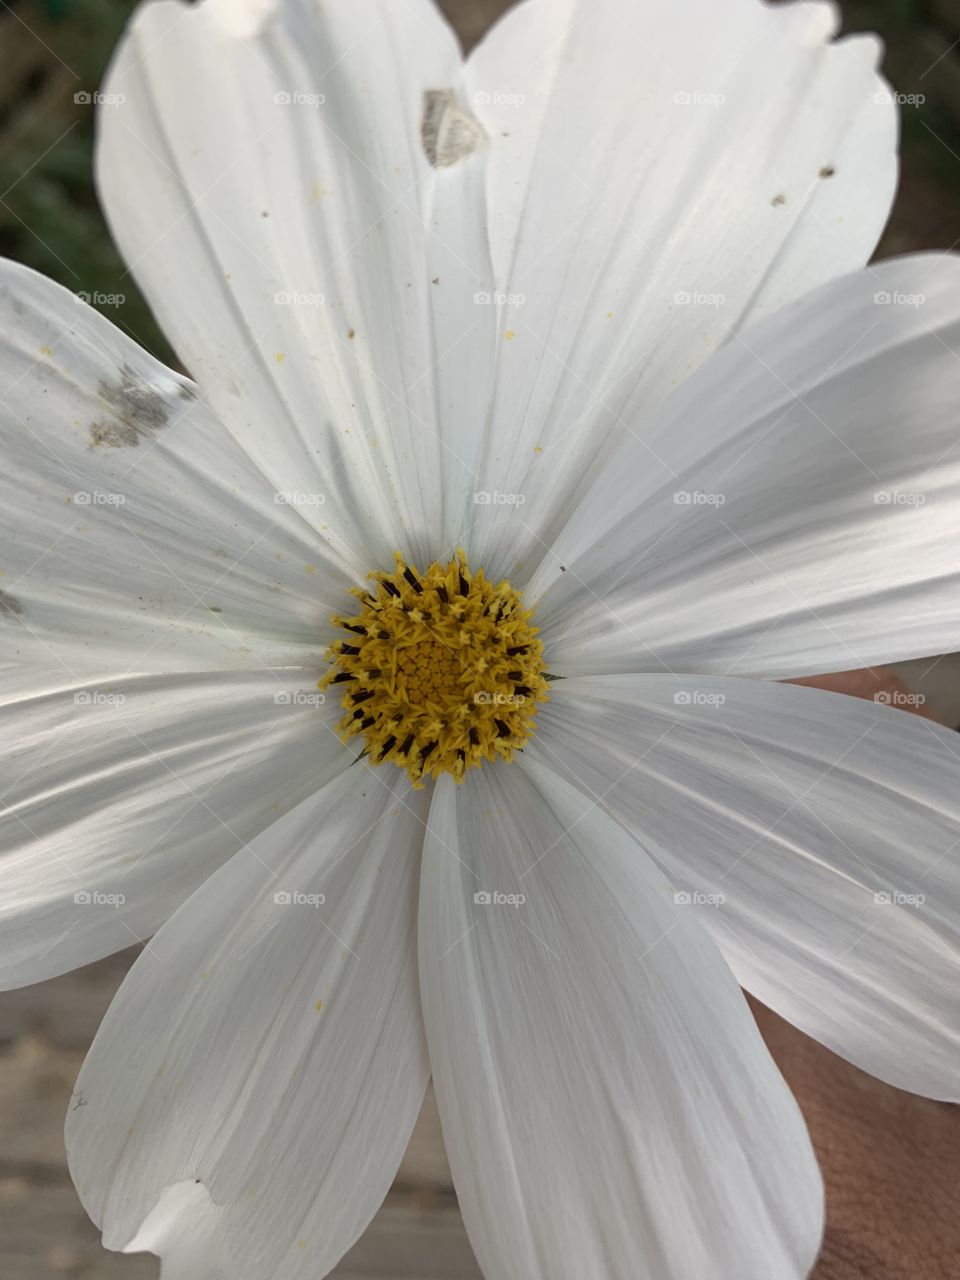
x=9 y=605
x=137 y=409
x=448 y=132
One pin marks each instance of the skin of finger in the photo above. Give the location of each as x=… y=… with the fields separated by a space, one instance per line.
x=890 y=1159
x=890 y=1162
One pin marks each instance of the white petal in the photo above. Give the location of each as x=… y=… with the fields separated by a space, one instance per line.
x=250 y=1093
x=269 y=181
x=793 y=509
x=830 y=828
x=599 y=1077
x=120 y=797
x=660 y=175
x=137 y=535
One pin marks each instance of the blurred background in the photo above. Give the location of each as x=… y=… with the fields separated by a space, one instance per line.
x=52 y=58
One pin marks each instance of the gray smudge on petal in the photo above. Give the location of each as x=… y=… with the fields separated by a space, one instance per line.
x=137 y=410
x=449 y=133
x=9 y=605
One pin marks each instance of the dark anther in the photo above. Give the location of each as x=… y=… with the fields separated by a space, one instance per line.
x=517 y=648
x=503 y=730
x=389 y=587
x=442 y=593
x=514 y=675
x=387 y=747
x=383 y=635
x=426 y=751
x=362 y=697
x=411 y=577
x=474 y=737
x=341 y=676
x=464 y=587
x=350 y=649
x=406 y=744
x=522 y=689
x=360 y=631
x=368 y=722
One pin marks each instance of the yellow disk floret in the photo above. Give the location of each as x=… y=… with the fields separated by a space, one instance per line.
x=441 y=670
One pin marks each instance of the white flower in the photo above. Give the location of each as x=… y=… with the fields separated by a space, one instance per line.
x=507 y=268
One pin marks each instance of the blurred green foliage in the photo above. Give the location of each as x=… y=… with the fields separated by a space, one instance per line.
x=53 y=52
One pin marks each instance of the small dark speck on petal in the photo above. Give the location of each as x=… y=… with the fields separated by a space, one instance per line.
x=827 y=171
x=779 y=199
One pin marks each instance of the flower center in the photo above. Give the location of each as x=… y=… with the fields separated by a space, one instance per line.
x=441 y=670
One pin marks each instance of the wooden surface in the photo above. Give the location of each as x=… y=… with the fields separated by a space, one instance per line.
x=44 y=1233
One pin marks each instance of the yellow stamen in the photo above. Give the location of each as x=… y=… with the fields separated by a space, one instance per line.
x=441 y=670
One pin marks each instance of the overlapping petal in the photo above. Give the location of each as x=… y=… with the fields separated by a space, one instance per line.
x=606 y=1099
x=253 y=1086
x=816 y=836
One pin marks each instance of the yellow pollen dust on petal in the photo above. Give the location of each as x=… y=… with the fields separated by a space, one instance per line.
x=441 y=670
